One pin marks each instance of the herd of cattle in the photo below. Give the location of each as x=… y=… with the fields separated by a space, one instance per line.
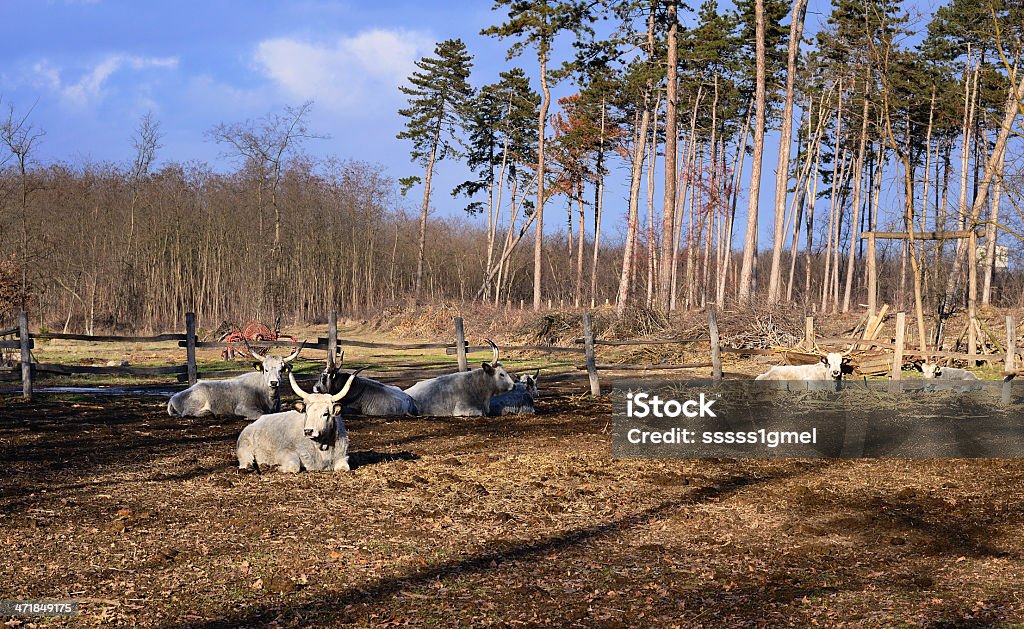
x=312 y=436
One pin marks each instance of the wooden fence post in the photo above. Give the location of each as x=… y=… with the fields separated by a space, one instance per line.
x=1011 y=343
x=26 y=356
x=588 y=346
x=332 y=339
x=716 y=348
x=190 y=347
x=460 y=344
x=809 y=333
x=897 y=357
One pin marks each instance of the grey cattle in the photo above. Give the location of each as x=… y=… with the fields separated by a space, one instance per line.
x=465 y=394
x=249 y=395
x=825 y=374
x=311 y=438
x=934 y=371
x=518 y=401
x=366 y=396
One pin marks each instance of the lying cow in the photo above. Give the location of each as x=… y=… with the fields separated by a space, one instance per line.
x=312 y=437
x=366 y=396
x=464 y=394
x=932 y=371
x=826 y=374
x=249 y=395
x=518 y=401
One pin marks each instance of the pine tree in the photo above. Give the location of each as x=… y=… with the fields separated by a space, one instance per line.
x=537 y=23
x=438 y=93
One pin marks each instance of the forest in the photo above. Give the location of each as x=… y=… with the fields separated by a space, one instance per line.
x=893 y=174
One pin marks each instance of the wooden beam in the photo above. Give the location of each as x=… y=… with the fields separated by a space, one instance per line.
x=703 y=339
x=332 y=339
x=110 y=339
x=16 y=344
x=1011 y=343
x=716 y=346
x=591 y=366
x=650 y=367
x=133 y=371
x=190 y=346
x=26 y=356
x=930 y=235
x=460 y=344
x=897 y=359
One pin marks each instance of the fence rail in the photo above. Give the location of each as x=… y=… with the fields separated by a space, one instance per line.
x=189 y=371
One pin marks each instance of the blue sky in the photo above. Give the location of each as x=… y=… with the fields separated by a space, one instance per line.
x=91 y=68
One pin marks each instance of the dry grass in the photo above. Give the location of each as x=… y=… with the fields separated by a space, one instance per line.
x=492 y=522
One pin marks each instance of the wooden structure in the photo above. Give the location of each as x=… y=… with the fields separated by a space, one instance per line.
x=871 y=357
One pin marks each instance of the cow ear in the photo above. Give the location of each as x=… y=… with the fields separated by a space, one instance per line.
x=300 y=407
x=336 y=409
x=824 y=359
x=488 y=367
x=257 y=366
x=285 y=368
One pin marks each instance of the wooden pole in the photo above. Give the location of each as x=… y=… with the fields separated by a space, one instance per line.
x=716 y=347
x=190 y=347
x=897 y=357
x=588 y=346
x=972 y=296
x=872 y=276
x=1011 y=343
x=332 y=339
x=809 y=333
x=460 y=344
x=26 y=356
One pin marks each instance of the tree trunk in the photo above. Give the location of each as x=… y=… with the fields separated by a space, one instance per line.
x=668 y=209
x=796 y=27
x=750 y=245
x=634 y=187
x=423 y=212
x=538 y=245
x=858 y=171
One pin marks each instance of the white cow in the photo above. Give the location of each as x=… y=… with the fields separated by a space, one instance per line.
x=311 y=438
x=826 y=374
x=465 y=394
x=249 y=395
x=934 y=371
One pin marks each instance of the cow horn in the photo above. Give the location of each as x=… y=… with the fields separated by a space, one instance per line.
x=254 y=353
x=348 y=384
x=295 y=387
x=295 y=354
x=536 y=373
x=494 y=352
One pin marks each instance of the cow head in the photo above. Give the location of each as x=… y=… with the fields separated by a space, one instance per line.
x=835 y=363
x=320 y=411
x=530 y=382
x=500 y=379
x=328 y=379
x=931 y=370
x=274 y=368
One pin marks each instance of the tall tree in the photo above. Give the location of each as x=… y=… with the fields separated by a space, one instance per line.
x=537 y=23
x=668 y=227
x=760 y=103
x=438 y=93
x=796 y=27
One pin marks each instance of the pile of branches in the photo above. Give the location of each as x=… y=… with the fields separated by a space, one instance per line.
x=761 y=328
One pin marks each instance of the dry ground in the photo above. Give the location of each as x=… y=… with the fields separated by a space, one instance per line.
x=489 y=522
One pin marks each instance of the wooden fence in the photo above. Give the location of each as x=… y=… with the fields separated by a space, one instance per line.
x=892 y=353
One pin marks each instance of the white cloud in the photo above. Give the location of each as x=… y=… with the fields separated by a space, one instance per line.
x=353 y=71
x=89 y=85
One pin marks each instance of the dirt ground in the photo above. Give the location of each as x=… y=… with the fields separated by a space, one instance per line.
x=489 y=522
